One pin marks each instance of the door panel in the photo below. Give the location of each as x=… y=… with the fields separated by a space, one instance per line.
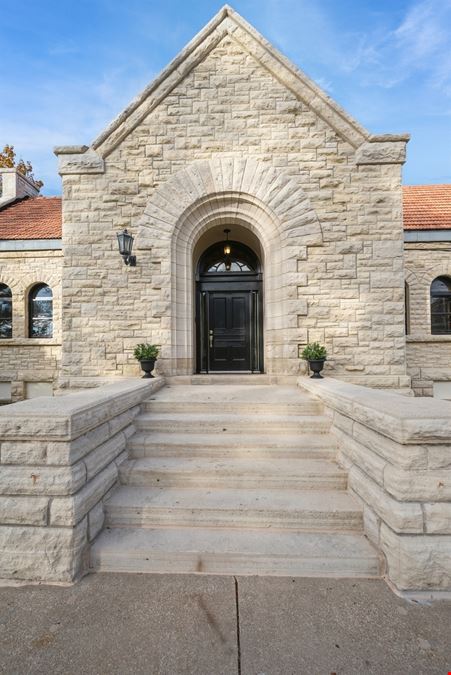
x=229 y=323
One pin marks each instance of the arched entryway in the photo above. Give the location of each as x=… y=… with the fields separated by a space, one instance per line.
x=268 y=211
x=229 y=309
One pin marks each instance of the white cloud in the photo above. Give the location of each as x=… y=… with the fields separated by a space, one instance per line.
x=63 y=112
x=378 y=55
x=423 y=32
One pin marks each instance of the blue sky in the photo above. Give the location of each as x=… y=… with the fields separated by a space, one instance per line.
x=68 y=68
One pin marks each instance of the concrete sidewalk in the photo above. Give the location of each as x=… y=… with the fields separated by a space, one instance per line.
x=178 y=625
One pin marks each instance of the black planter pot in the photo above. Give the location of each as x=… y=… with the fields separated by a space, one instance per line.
x=316 y=365
x=147 y=365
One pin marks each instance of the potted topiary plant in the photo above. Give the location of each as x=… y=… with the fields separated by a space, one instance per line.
x=315 y=354
x=146 y=354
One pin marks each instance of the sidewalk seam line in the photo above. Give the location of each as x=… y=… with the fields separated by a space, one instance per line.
x=238 y=639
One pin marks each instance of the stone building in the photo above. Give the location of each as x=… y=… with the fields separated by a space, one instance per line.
x=427 y=262
x=30 y=263
x=264 y=218
x=231 y=136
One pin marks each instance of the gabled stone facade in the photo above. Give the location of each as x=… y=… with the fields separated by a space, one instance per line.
x=232 y=133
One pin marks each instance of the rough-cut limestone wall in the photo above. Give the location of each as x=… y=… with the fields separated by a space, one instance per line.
x=229 y=105
x=58 y=463
x=398 y=453
x=24 y=359
x=428 y=356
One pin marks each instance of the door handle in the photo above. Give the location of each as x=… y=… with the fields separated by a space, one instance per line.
x=211 y=338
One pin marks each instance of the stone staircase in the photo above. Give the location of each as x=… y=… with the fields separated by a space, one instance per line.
x=233 y=479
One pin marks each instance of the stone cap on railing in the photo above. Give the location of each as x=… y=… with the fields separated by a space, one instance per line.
x=67 y=417
x=401 y=418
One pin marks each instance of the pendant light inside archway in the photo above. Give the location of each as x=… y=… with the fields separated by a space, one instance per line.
x=227 y=251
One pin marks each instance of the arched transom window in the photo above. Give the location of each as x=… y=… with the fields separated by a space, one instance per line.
x=40 y=311
x=6 y=312
x=441 y=306
x=230 y=266
x=239 y=259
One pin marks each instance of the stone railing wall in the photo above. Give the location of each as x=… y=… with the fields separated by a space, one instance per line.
x=58 y=462
x=398 y=453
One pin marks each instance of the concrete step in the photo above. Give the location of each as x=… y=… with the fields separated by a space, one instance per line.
x=235 y=552
x=206 y=507
x=307 y=446
x=230 y=423
x=225 y=379
x=309 y=407
x=238 y=399
x=234 y=473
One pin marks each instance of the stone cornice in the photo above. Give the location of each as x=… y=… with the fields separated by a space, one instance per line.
x=390 y=150
x=82 y=162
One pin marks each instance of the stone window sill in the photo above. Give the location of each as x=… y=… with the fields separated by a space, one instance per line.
x=428 y=338
x=30 y=342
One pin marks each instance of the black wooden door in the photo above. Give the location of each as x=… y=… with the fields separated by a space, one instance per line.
x=229 y=335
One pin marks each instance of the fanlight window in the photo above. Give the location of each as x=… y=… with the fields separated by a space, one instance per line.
x=441 y=306
x=6 y=312
x=40 y=310
x=235 y=266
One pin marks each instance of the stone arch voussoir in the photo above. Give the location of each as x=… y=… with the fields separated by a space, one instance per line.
x=280 y=193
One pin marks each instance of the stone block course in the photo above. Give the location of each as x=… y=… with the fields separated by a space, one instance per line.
x=19 y=510
x=51 y=502
x=71 y=510
x=42 y=553
x=397 y=450
x=417 y=562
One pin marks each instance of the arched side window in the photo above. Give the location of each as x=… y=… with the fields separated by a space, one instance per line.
x=6 y=312
x=441 y=306
x=40 y=312
x=407 y=307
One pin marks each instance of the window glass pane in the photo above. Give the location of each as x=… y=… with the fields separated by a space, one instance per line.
x=6 y=328
x=441 y=306
x=43 y=292
x=41 y=312
x=6 y=312
x=5 y=291
x=441 y=285
x=42 y=308
x=217 y=267
x=5 y=308
x=41 y=328
x=236 y=266
x=438 y=304
x=438 y=324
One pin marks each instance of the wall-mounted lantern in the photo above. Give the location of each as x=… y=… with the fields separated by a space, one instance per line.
x=125 y=242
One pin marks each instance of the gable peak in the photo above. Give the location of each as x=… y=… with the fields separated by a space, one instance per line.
x=228 y=22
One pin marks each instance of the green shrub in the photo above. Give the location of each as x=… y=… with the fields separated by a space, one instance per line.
x=143 y=352
x=314 y=351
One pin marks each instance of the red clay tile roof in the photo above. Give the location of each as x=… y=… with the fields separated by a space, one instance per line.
x=427 y=207
x=31 y=218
